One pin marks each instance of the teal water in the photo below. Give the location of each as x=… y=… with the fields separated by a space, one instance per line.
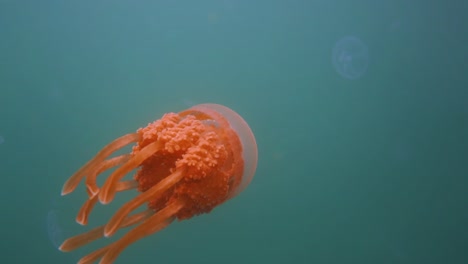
x=363 y=155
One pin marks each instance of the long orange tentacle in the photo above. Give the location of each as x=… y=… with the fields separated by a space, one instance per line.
x=153 y=224
x=71 y=184
x=107 y=192
x=85 y=210
x=87 y=207
x=151 y=194
x=91 y=185
x=126 y=185
x=92 y=257
x=96 y=233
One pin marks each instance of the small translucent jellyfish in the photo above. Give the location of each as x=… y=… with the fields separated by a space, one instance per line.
x=54 y=229
x=350 y=57
x=2 y=139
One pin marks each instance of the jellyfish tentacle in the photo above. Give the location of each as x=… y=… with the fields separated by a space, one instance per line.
x=151 y=194
x=91 y=185
x=126 y=185
x=107 y=192
x=96 y=233
x=85 y=210
x=87 y=207
x=71 y=184
x=80 y=240
x=153 y=224
x=93 y=256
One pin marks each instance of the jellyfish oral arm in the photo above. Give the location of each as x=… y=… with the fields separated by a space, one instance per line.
x=153 y=224
x=153 y=193
x=108 y=190
x=91 y=185
x=71 y=184
x=96 y=233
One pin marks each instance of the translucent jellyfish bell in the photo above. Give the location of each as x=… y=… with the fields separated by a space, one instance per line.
x=350 y=57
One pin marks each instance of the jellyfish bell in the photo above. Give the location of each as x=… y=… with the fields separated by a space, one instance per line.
x=350 y=57
x=55 y=223
x=54 y=231
x=247 y=140
x=187 y=164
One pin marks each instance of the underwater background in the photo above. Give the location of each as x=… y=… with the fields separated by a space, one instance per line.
x=359 y=108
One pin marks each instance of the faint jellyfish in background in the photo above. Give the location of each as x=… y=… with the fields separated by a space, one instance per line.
x=2 y=139
x=350 y=57
x=55 y=232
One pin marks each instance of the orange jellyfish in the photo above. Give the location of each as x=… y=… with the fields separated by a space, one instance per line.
x=187 y=164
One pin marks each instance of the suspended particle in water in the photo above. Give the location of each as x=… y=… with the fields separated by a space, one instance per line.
x=350 y=57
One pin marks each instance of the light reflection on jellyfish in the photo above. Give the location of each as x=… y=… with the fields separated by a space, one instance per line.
x=350 y=57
